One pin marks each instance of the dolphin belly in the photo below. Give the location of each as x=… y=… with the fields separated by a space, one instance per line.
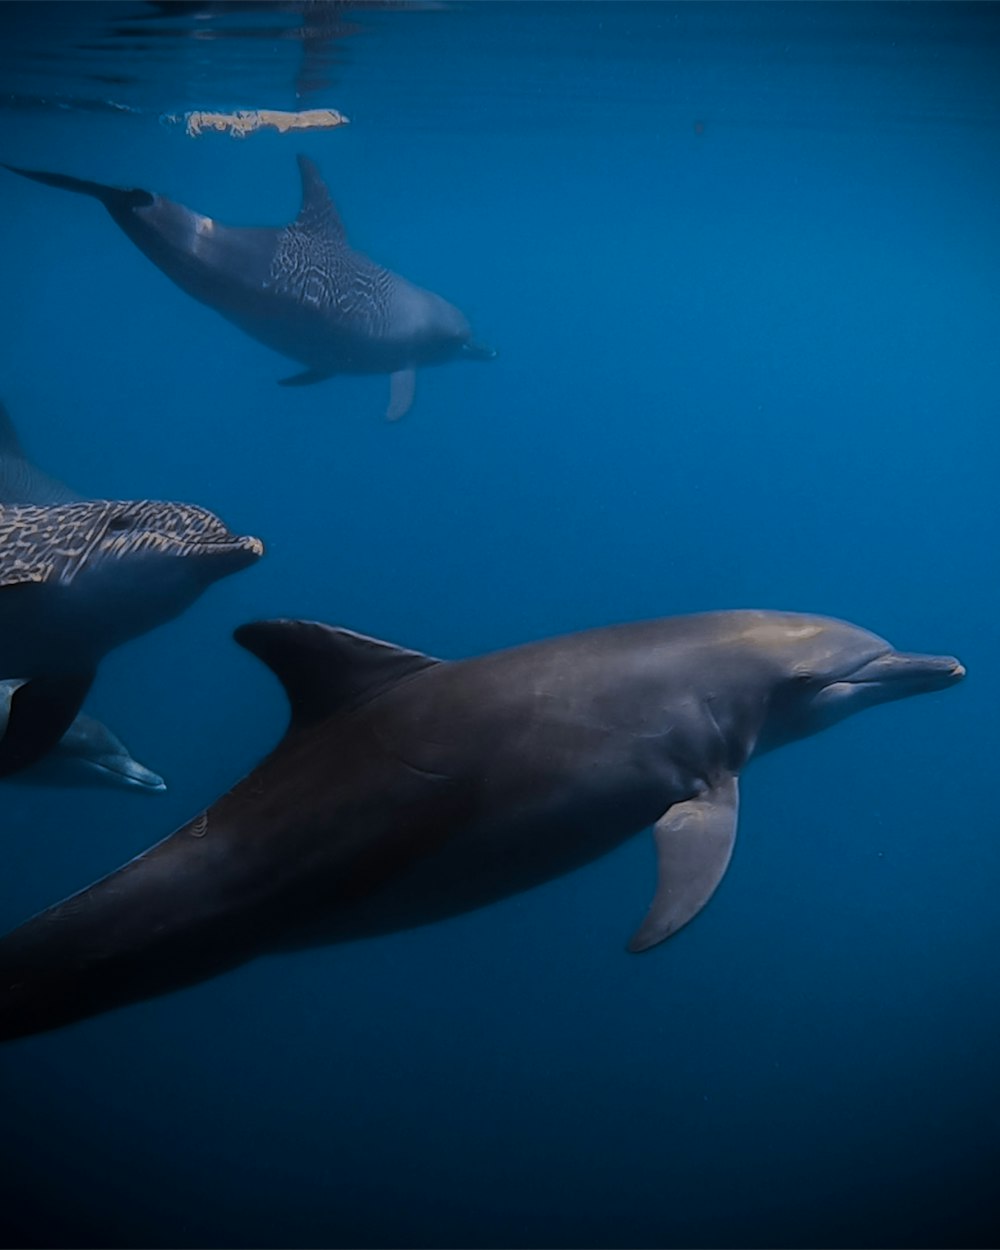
x=475 y=868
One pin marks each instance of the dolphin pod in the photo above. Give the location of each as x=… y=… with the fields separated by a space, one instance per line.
x=300 y=288
x=408 y=789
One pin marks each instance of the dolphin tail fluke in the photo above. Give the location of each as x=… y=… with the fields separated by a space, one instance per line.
x=113 y=198
x=155 y=925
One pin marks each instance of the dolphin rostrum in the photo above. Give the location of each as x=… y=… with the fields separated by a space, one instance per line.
x=301 y=288
x=87 y=754
x=77 y=580
x=407 y=789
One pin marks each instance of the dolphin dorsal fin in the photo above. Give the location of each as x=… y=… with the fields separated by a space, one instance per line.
x=10 y=444
x=318 y=215
x=324 y=669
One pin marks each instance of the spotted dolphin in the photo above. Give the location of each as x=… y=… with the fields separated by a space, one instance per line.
x=88 y=753
x=408 y=789
x=79 y=579
x=301 y=289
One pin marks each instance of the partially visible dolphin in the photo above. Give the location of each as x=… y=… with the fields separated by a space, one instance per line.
x=407 y=790
x=88 y=753
x=300 y=289
x=79 y=579
x=21 y=481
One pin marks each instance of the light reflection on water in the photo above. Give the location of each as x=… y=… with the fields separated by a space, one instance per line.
x=537 y=66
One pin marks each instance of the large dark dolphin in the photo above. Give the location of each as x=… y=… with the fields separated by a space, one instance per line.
x=300 y=288
x=407 y=790
x=77 y=580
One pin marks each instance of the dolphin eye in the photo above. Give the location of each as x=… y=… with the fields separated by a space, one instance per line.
x=119 y=522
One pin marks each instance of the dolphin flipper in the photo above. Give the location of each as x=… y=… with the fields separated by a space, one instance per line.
x=402 y=385
x=694 y=844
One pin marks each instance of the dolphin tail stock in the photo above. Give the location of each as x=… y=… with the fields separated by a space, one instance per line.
x=114 y=199
x=154 y=925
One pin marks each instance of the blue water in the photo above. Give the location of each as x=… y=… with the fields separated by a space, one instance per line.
x=741 y=265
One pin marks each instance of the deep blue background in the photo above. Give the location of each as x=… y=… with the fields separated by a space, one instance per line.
x=741 y=264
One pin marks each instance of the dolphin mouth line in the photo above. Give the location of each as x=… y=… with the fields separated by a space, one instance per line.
x=249 y=544
x=894 y=668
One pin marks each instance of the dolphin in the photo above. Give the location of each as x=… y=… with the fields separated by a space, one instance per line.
x=21 y=481
x=88 y=753
x=408 y=789
x=79 y=579
x=300 y=288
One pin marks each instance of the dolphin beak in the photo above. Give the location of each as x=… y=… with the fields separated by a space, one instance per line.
x=901 y=673
x=132 y=775
x=478 y=351
x=237 y=553
x=146 y=780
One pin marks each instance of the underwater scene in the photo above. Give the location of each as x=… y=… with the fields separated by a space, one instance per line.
x=460 y=463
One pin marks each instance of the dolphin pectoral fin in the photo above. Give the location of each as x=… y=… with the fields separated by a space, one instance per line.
x=41 y=710
x=694 y=844
x=306 y=379
x=402 y=385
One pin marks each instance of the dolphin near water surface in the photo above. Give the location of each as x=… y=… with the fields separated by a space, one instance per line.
x=301 y=289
